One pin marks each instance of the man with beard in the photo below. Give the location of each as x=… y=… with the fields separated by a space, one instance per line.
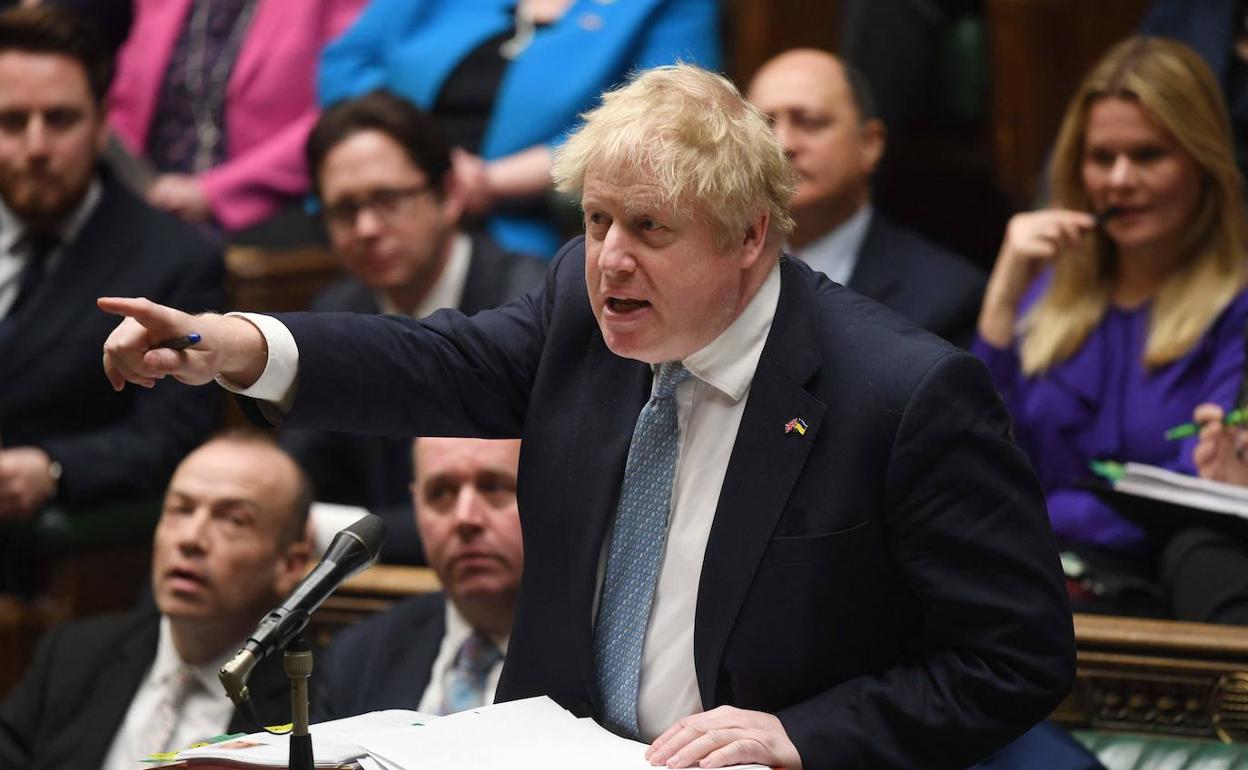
x=68 y=232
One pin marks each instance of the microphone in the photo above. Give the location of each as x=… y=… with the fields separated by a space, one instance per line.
x=351 y=551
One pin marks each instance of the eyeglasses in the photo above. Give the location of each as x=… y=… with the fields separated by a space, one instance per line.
x=384 y=202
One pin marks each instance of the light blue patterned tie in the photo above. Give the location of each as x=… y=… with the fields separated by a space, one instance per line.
x=634 y=555
x=477 y=655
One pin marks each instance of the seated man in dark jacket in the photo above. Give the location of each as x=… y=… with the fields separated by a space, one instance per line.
x=382 y=171
x=440 y=653
x=107 y=691
x=69 y=232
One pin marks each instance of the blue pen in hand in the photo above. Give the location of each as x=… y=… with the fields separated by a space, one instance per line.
x=178 y=343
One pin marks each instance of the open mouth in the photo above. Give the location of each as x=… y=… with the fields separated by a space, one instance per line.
x=185 y=579
x=625 y=306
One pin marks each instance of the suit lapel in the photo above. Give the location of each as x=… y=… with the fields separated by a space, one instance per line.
x=481 y=283
x=85 y=266
x=610 y=398
x=106 y=707
x=748 y=510
x=873 y=274
x=415 y=667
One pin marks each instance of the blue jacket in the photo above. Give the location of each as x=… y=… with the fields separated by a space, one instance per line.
x=410 y=47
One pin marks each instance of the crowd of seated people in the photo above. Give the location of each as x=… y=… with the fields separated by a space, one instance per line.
x=422 y=133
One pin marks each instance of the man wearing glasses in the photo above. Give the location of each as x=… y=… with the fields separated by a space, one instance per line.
x=392 y=209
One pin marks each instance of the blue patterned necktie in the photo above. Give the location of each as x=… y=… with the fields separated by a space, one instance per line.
x=634 y=555
x=476 y=656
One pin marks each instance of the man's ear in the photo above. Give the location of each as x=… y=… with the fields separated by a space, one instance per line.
x=874 y=142
x=454 y=199
x=292 y=563
x=754 y=240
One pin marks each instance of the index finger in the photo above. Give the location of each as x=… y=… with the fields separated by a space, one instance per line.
x=160 y=320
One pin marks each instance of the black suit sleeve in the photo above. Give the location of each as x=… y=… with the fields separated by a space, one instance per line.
x=23 y=712
x=965 y=317
x=447 y=375
x=135 y=454
x=969 y=533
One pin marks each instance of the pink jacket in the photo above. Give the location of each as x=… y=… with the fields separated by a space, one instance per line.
x=270 y=100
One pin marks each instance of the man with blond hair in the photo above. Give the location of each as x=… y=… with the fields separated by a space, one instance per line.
x=765 y=520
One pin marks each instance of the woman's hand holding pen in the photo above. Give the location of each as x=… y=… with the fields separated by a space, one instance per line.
x=1032 y=241
x=1220 y=454
x=155 y=341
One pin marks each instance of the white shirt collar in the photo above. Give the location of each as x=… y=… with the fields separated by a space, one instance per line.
x=459 y=629
x=168 y=661
x=728 y=362
x=448 y=290
x=835 y=253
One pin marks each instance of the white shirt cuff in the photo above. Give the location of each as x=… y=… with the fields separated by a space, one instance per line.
x=277 y=381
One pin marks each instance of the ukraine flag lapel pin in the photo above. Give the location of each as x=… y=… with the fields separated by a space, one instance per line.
x=796 y=424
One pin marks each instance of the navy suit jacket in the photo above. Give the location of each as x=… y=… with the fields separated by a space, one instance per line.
x=64 y=713
x=887 y=583
x=53 y=394
x=926 y=283
x=376 y=471
x=383 y=662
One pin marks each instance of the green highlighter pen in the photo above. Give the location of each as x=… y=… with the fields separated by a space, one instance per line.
x=1234 y=417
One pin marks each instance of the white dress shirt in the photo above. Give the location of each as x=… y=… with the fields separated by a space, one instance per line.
x=457 y=632
x=14 y=253
x=205 y=713
x=709 y=408
x=835 y=253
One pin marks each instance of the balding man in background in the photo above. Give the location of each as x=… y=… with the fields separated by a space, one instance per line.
x=106 y=692
x=825 y=117
x=443 y=652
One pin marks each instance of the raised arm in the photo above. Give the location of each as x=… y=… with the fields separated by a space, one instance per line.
x=229 y=346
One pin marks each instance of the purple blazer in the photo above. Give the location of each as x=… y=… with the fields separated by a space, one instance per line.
x=270 y=100
x=1102 y=403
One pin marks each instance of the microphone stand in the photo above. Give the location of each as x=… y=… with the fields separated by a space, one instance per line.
x=297 y=662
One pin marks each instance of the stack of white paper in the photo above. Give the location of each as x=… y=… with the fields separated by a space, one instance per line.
x=333 y=743
x=1179 y=488
x=518 y=735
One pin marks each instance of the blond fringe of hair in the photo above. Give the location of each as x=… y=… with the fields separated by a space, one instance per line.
x=1174 y=85
x=710 y=153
